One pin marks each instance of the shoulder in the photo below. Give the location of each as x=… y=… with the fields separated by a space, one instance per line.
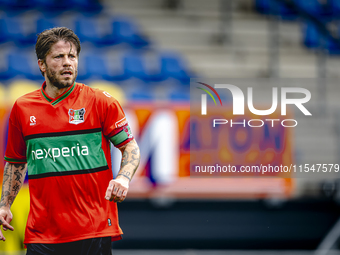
x=100 y=95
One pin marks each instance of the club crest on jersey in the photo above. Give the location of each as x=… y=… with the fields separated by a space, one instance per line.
x=76 y=116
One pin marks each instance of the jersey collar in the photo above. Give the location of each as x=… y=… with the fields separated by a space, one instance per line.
x=58 y=99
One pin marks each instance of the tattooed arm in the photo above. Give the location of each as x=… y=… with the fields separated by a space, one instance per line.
x=119 y=187
x=14 y=175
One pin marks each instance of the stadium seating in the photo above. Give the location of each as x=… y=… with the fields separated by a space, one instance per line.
x=311 y=35
x=334 y=6
x=134 y=61
x=86 y=6
x=20 y=64
x=16 y=5
x=133 y=66
x=316 y=15
x=11 y=30
x=44 y=23
x=97 y=66
x=275 y=8
x=126 y=31
x=87 y=29
x=173 y=66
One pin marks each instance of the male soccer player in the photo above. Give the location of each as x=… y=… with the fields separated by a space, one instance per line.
x=62 y=132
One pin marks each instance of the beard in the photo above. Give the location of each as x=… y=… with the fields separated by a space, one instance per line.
x=59 y=83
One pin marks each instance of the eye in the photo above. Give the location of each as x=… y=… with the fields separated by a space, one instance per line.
x=58 y=56
x=72 y=56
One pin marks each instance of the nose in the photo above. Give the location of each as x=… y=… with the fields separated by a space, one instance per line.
x=67 y=61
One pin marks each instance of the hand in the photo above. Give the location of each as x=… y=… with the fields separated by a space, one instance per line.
x=117 y=189
x=5 y=219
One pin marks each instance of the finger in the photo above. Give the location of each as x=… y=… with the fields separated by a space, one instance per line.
x=122 y=198
x=115 y=190
x=2 y=236
x=124 y=195
x=114 y=193
x=119 y=194
x=109 y=190
x=6 y=225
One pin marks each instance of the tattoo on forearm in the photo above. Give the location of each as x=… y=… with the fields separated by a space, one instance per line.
x=18 y=175
x=125 y=176
x=14 y=175
x=130 y=160
x=16 y=188
x=134 y=158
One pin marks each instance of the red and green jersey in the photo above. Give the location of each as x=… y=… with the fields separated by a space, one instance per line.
x=66 y=144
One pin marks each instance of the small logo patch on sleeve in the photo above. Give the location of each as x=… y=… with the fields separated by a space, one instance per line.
x=109 y=222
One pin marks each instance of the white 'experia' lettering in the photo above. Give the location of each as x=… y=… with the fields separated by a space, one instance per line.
x=64 y=152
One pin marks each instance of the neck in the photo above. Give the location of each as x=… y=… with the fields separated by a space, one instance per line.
x=53 y=91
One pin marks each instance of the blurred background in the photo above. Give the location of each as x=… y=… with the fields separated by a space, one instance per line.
x=144 y=53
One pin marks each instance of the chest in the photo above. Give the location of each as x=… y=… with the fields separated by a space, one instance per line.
x=41 y=117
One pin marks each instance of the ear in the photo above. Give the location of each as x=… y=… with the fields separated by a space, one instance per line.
x=42 y=65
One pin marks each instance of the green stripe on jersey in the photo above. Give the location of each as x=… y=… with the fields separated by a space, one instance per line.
x=65 y=153
x=65 y=95
x=121 y=136
x=45 y=96
x=15 y=160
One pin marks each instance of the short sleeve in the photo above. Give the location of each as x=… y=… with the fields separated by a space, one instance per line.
x=16 y=146
x=114 y=122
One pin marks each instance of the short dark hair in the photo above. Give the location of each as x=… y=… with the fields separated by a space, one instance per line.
x=48 y=38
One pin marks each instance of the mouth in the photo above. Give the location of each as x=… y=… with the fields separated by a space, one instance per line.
x=67 y=73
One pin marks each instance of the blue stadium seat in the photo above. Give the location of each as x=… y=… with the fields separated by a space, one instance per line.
x=96 y=66
x=334 y=6
x=53 y=7
x=87 y=30
x=275 y=8
x=333 y=47
x=11 y=30
x=311 y=35
x=126 y=31
x=179 y=96
x=133 y=65
x=313 y=39
x=20 y=64
x=44 y=23
x=315 y=8
x=173 y=66
x=88 y=6
x=16 y=5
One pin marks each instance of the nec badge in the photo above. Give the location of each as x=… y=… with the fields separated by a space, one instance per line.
x=76 y=116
